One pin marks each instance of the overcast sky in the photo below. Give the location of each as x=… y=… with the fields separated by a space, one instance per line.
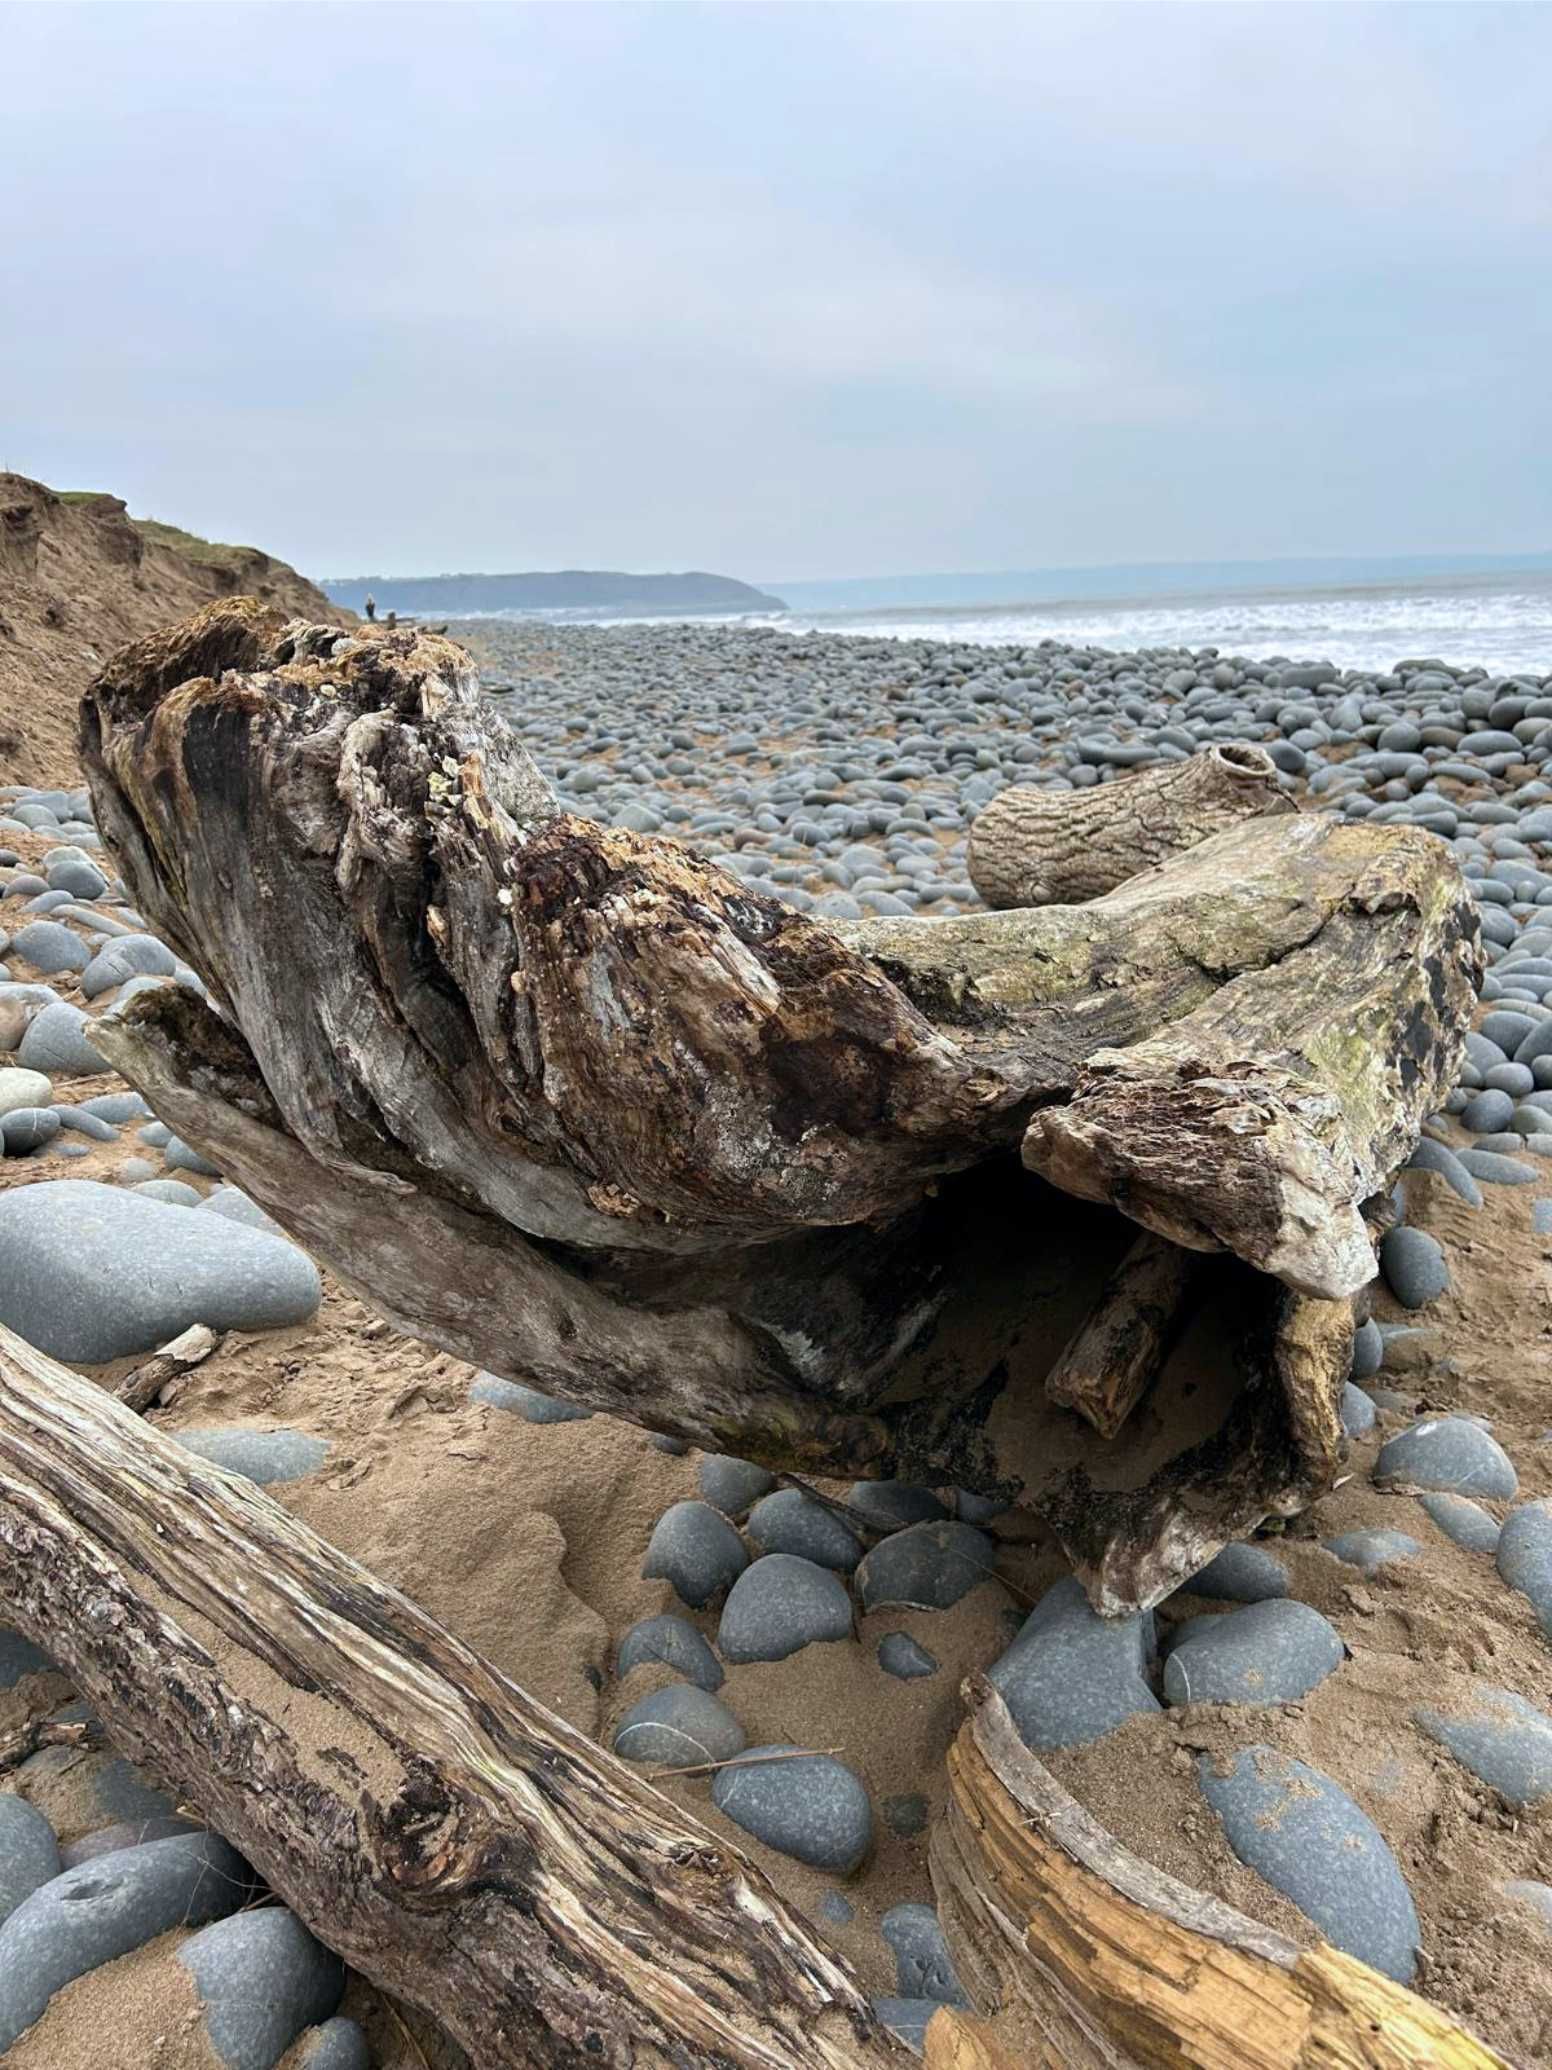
x=784 y=291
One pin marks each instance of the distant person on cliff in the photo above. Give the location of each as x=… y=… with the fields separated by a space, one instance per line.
x=371 y=605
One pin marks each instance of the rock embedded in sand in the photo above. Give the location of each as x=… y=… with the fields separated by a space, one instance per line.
x=82 y=1123
x=1414 y=1266
x=25 y=1129
x=1370 y=1550
x=1297 y=1828
x=1451 y=1453
x=128 y=1832
x=791 y=1522
x=1368 y=1351
x=1240 y=1574
x=95 y=1273
x=185 y=1159
x=695 y=1549
x=926 y=1567
x=261 y=1456
x=262 y=1979
x=732 y=1485
x=671 y=1642
x=51 y=947
x=1487 y=1113
x=56 y=1041
x=94 y=1914
x=923 y=1966
x=339 y=2044
x=519 y=1400
x=1525 y=1556
x=906 y=2019
x=20 y=1090
x=812 y=1807
x=1429 y=1156
x=171 y=1192
x=1503 y=1740
x=900 y=1656
x=1357 y=1411
x=892 y=1505
x=1267 y=1653
x=29 y=1853
x=74 y=874
x=1496 y=1169
x=779 y=1605
x=1466 y=1522
x=1071 y=1676
x=1537 y=1895
x=679 y=1727
x=125 y=957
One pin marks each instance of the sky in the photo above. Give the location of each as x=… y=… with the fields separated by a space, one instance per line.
x=784 y=291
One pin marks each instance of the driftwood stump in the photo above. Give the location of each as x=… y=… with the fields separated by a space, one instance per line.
x=582 y=1107
x=1032 y=847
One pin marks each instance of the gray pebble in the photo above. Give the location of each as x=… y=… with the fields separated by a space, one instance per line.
x=129 y=1832
x=82 y=1123
x=1487 y=1113
x=1414 y=1266
x=1240 y=1574
x=923 y=1966
x=1358 y=1411
x=1269 y=1652
x=1464 y=1521
x=696 y=1549
x=891 y=1505
x=171 y=1192
x=125 y=957
x=678 y=1727
x=57 y=1041
x=51 y=947
x=1371 y=1550
x=262 y=1979
x=1430 y=1156
x=791 y=1522
x=813 y=1809
x=116 y=1107
x=1495 y=1169
x=899 y=1655
x=1307 y=1837
x=731 y=1485
x=1450 y=1453
x=263 y=1456
x=96 y=1272
x=91 y=1915
x=1504 y=1741
x=1537 y=1895
x=672 y=1642
x=780 y=1604
x=339 y=2044
x=184 y=1159
x=1525 y=1556
x=21 y=1090
x=25 y=1129
x=906 y=2019
x=1071 y=1676
x=78 y=877
x=835 y=1909
x=1369 y=1346
x=519 y=1400
x=29 y=1853
x=926 y=1567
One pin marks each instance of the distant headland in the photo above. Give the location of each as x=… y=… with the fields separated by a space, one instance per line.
x=566 y=589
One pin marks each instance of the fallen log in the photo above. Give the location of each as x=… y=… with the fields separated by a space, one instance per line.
x=577 y=1105
x=1118 y=1966
x=461 y=1846
x=1032 y=847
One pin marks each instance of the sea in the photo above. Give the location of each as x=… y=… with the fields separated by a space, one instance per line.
x=1500 y=619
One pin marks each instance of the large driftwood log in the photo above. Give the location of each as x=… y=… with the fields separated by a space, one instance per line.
x=457 y=1843
x=1119 y=1966
x=1033 y=847
x=582 y=1107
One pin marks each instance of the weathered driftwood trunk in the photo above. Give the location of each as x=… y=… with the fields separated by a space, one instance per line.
x=1118 y=1966
x=586 y=1109
x=453 y=1840
x=1034 y=847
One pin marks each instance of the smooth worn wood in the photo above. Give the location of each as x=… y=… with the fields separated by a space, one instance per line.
x=1122 y=1967
x=1104 y=1371
x=1034 y=847
x=461 y=1846
x=586 y=1109
x=142 y=1387
x=957 y=2040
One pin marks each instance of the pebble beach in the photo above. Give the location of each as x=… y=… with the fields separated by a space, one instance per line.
x=1343 y=1727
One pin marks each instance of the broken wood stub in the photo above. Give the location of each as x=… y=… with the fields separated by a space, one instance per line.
x=1105 y=1369
x=1034 y=847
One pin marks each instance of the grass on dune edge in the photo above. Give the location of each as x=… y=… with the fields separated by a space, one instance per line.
x=209 y=553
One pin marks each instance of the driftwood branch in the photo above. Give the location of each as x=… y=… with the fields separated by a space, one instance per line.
x=1108 y=1366
x=580 y=1106
x=453 y=1840
x=1032 y=847
x=142 y=1387
x=1119 y=1966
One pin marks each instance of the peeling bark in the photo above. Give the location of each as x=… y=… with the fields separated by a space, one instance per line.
x=450 y=1838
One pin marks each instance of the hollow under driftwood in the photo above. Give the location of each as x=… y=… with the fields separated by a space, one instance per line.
x=452 y=1839
x=582 y=1107
x=1034 y=847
